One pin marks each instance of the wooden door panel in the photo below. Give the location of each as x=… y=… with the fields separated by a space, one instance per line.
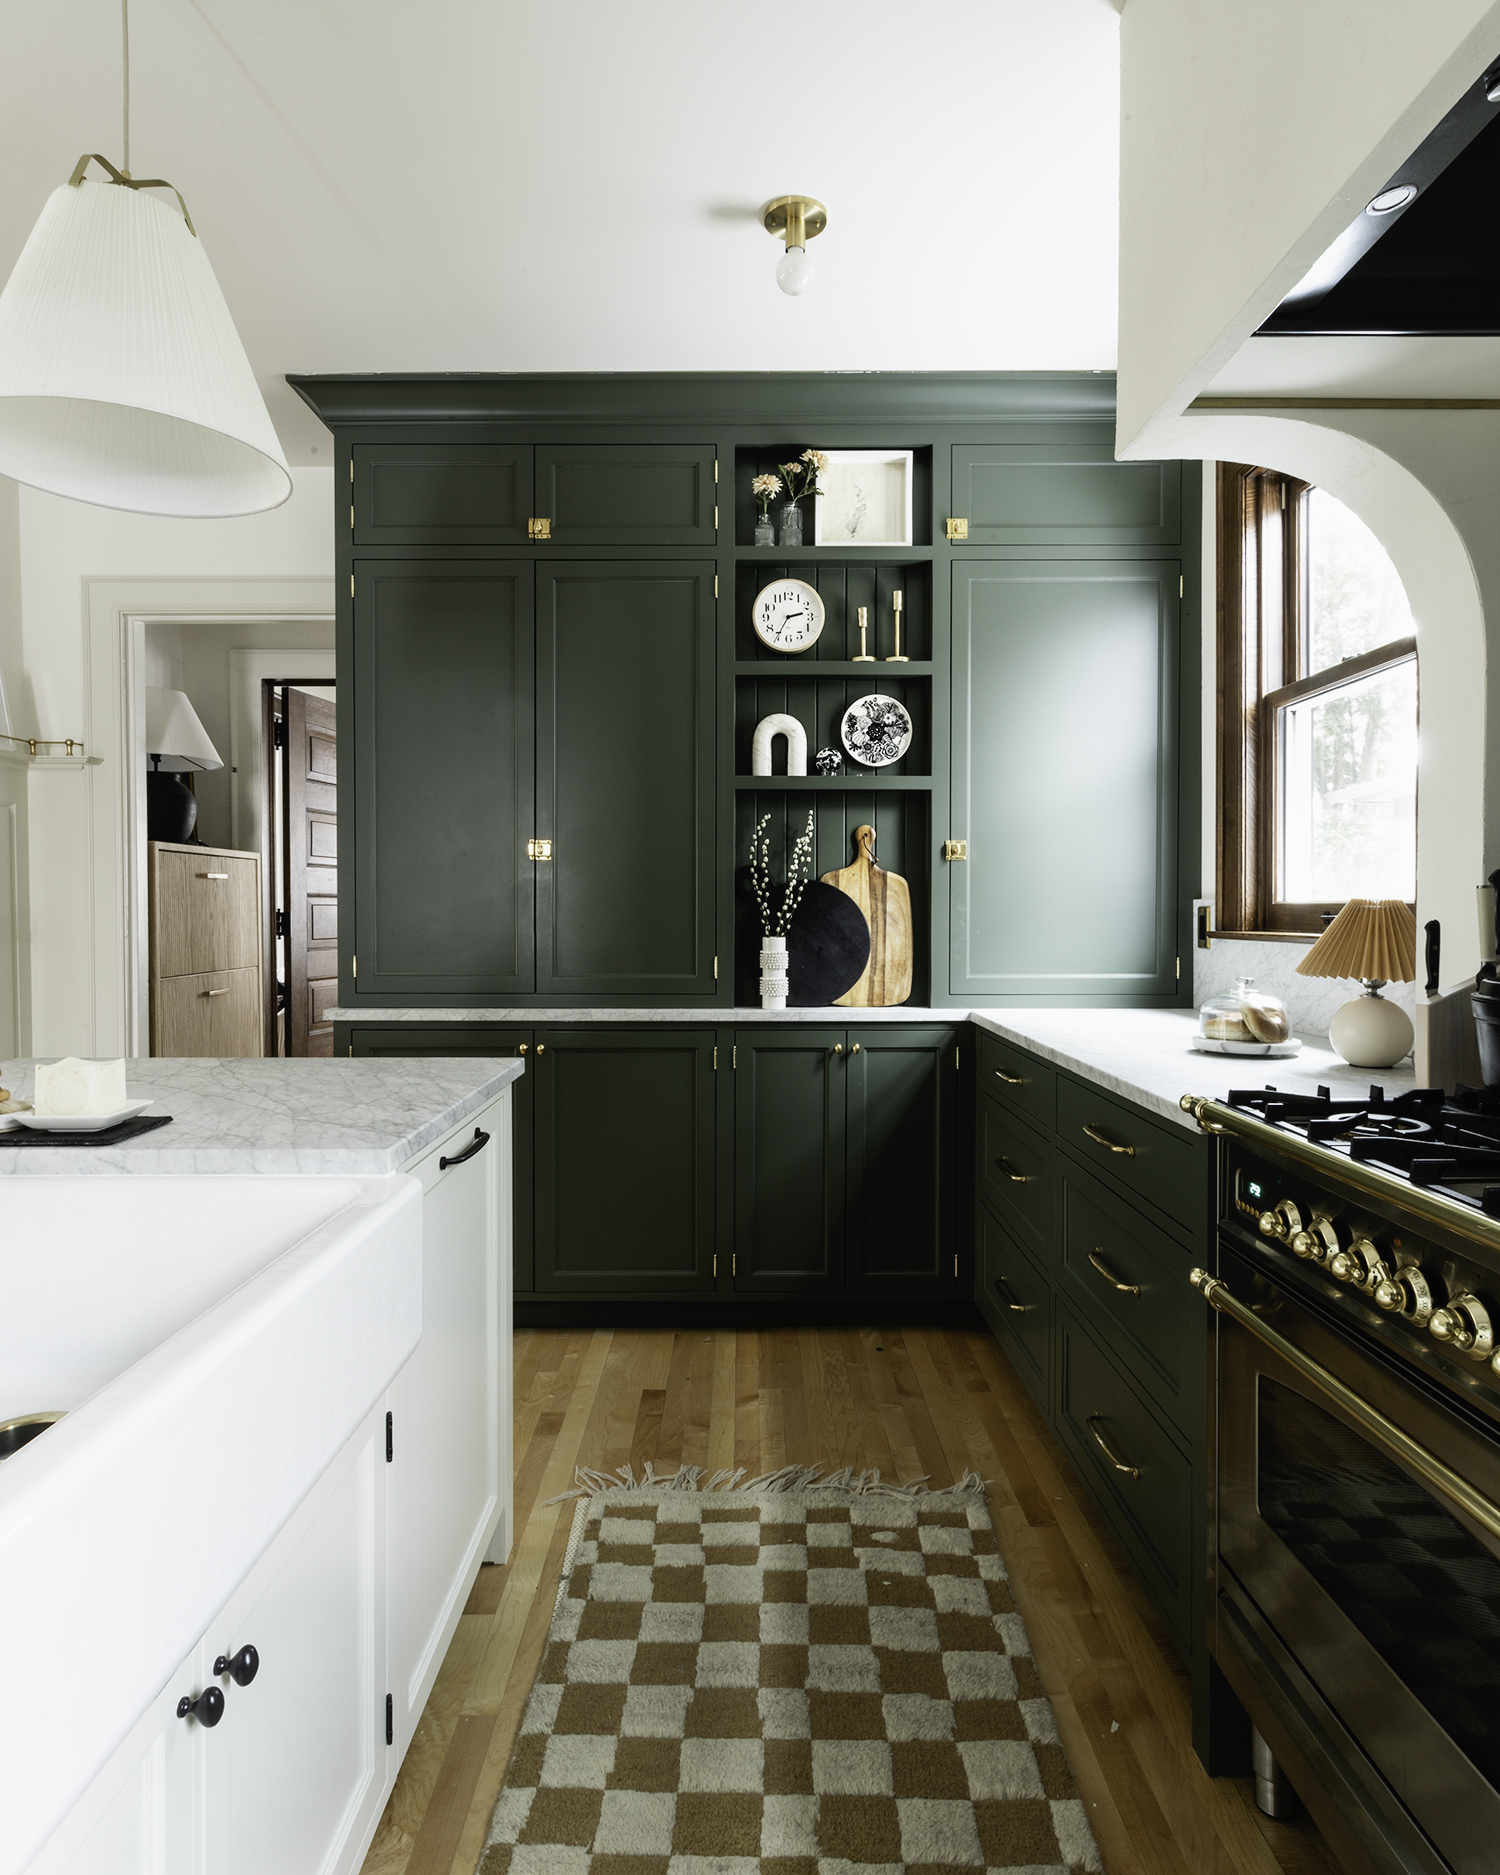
x=625 y=780
x=443 y=715
x=441 y=494
x=310 y=843
x=1067 y=494
x=790 y=1094
x=903 y=1126
x=628 y=494
x=624 y=1130
x=1064 y=778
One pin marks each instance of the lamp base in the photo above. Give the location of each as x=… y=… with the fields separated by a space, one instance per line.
x=171 y=808
x=1371 y=1033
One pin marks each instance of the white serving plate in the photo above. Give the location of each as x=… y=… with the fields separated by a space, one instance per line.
x=1276 y=1050
x=80 y=1122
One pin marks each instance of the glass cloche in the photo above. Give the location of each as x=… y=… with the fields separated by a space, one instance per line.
x=1244 y=1015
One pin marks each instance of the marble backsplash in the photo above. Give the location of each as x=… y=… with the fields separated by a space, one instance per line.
x=1310 y=1001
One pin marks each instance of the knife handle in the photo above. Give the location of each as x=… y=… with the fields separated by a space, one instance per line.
x=1434 y=931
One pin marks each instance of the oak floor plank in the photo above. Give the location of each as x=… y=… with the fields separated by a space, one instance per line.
x=647 y=1430
x=723 y=1404
x=747 y=1402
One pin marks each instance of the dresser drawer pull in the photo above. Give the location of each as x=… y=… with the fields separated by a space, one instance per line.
x=223 y=992
x=1016 y=1308
x=1102 y=1139
x=1125 y=1289
x=1130 y=1471
x=1015 y=1177
x=1010 y=1080
x=213 y=875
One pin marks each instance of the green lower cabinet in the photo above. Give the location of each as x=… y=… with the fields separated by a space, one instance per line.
x=624 y=1161
x=1016 y=1299
x=1014 y=1166
x=790 y=1089
x=902 y=1126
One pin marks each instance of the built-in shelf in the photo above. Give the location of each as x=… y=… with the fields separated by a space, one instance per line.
x=846 y=783
x=795 y=666
x=853 y=554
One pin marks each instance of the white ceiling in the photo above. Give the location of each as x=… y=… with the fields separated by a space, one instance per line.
x=480 y=185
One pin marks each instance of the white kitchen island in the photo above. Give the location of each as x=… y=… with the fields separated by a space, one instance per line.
x=279 y=1329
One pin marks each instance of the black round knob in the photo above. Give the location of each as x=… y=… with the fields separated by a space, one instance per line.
x=241 y=1667
x=207 y=1708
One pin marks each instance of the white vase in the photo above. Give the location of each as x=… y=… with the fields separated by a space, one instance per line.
x=1370 y=1032
x=773 y=973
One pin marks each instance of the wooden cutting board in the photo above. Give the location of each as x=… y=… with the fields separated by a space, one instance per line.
x=886 y=903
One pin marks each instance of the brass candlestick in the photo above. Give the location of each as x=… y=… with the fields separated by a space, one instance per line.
x=864 y=625
x=897 y=601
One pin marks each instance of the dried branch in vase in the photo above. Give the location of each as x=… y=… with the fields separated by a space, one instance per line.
x=799 y=871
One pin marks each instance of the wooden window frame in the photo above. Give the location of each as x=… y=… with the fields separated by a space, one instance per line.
x=1262 y=592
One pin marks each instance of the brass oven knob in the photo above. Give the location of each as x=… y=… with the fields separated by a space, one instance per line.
x=1405 y=1293
x=1360 y=1264
x=1318 y=1242
x=1465 y=1326
x=1282 y=1222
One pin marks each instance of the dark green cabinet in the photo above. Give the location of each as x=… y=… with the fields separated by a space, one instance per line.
x=902 y=1126
x=440 y=494
x=1064 y=779
x=625 y=780
x=1017 y=1299
x=624 y=1156
x=444 y=777
x=790 y=1097
x=627 y=494
x=1062 y=494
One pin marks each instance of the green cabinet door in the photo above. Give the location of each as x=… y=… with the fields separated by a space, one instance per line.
x=625 y=780
x=1065 y=692
x=624 y=1161
x=444 y=773
x=441 y=494
x=1065 y=494
x=790 y=1089
x=418 y=1040
x=628 y=494
x=903 y=1121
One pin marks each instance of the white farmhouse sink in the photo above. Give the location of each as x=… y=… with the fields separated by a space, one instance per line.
x=214 y=1341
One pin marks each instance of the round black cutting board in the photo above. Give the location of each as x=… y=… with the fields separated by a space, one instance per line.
x=828 y=947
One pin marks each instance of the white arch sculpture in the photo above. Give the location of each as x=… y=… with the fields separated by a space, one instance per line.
x=766 y=732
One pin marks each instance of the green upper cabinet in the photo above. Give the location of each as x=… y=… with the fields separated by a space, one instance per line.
x=444 y=777
x=1064 y=778
x=627 y=494
x=903 y=1127
x=1064 y=494
x=625 y=779
x=441 y=494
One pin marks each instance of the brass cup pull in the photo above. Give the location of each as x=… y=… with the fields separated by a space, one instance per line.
x=1130 y=1471
x=1125 y=1289
x=1010 y=1080
x=1015 y=1177
x=1103 y=1139
x=1016 y=1308
x=224 y=992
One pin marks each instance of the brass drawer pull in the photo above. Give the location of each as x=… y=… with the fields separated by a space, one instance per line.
x=1011 y=1080
x=1016 y=1308
x=223 y=992
x=1125 y=1289
x=213 y=875
x=1130 y=1471
x=1016 y=1178
x=1103 y=1139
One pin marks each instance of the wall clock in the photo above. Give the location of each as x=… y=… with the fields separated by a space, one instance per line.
x=788 y=615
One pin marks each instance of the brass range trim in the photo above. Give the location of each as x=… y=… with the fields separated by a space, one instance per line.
x=1382 y=1431
x=1214 y=1117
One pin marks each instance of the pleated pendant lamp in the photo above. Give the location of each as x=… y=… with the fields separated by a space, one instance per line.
x=122 y=379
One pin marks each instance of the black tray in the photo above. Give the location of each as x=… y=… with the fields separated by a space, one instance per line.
x=111 y=1136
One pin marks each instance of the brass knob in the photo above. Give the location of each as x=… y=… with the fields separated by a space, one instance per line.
x=1301 y=1244
x=855 y=1049
x=541 y=1048
x=1465 y=1326
x=1406 y=1293
x=522 y=1049
x=1282 y=1222
x=1325 y=1239
x=838 y=1048
x=1360 y=1264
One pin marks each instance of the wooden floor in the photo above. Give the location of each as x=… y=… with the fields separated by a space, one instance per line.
x=922 y=1401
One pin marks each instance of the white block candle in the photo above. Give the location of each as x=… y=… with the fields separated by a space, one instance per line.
x=73 y=1086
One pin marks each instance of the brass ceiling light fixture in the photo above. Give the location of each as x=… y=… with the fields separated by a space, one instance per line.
x=794 y=219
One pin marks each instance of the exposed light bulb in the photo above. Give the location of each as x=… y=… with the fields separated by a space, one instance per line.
x=794 y=271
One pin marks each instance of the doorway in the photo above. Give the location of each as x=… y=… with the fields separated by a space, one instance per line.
x=301 y=744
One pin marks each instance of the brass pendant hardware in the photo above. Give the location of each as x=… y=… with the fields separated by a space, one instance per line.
x=955 y=849
x=796 y=218
x=957 y=529
x=539 y=527
x=539 y=849
x=127 y=181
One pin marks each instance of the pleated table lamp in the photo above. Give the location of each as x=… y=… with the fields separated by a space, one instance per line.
x=1374 y=940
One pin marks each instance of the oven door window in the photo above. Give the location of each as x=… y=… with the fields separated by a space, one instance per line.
x=1421 y=1590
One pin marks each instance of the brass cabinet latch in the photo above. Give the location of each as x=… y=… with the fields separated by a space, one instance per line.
x=539 y=527
x=955 y=849
x=539 y=849
x=957 y=529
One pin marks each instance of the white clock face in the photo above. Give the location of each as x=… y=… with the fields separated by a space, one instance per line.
x=788 y=615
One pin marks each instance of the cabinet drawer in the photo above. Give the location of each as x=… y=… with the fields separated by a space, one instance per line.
x=1129 y=1279
x=1012 y=1075
x=1017 y=1299
x=207 y=907
x=217 y=1013
x=1162 y=1162
x=1134 y=1471
x=1015 y=1172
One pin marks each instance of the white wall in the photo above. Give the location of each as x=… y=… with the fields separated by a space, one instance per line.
x=1248 y=141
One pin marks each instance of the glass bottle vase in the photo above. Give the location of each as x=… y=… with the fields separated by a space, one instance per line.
x=791 y=525
x=765 y=532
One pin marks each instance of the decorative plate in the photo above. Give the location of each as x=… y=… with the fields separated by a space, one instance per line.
x=788 y=615
x=82 y=1122
x=876 y=731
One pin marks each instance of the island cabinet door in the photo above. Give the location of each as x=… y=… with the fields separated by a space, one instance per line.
x=444 y=777
x=628 y=494
x=903 y=1123
x=1064 y=778
x=790 y=1094
x=624 y=1147
x=625 y=781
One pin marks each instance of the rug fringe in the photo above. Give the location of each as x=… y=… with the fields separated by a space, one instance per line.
x=623 y=1483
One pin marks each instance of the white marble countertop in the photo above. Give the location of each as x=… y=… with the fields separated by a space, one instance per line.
x=825 y=1013
x=367 y=1116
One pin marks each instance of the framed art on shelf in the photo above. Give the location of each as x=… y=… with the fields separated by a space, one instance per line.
x=864 y=499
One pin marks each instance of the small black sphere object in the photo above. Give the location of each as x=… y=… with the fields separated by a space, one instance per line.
x=828 y=761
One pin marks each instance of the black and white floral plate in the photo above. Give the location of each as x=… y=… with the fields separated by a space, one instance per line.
x=876 y=731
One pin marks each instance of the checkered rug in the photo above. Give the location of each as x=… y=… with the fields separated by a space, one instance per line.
x=818 y=1680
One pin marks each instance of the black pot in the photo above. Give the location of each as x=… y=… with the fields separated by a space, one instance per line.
x=1485 y=1002
x=171 y=807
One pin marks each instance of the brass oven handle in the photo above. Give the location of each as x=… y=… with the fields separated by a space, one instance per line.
x=1010 y=1080
x=1382 y=1431
x=1097 y=1259
x=1130 y=1471
x=1102 y=1139
x=1016 y=1308
x=1016 y=1178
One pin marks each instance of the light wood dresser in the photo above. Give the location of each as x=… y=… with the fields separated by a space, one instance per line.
x=205 y=916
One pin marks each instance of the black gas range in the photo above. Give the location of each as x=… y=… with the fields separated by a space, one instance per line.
x=1356 y=1607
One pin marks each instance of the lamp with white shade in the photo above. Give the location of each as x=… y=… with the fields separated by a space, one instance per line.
x=175 y=741
x=1374 y=940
